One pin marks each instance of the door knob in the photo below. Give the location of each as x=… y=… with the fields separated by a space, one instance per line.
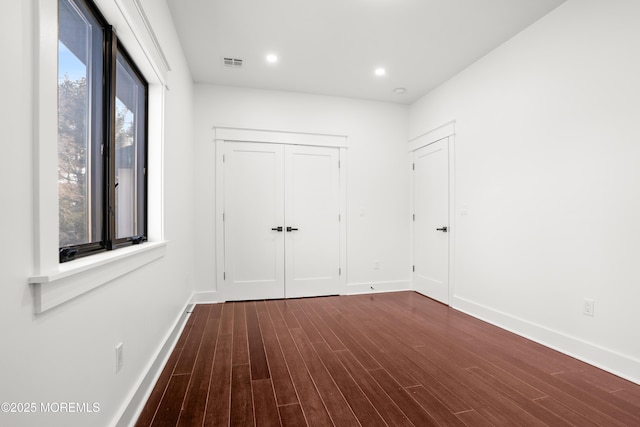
x=290 y=229
x=277 y=229
x=443 y=229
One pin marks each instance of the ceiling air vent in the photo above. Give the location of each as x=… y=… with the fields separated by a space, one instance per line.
x=232 y=62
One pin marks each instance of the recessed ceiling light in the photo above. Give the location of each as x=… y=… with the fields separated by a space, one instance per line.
x=272 y=59
x=380 y=72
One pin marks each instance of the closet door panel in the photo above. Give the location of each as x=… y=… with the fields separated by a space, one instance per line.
x=254 y=206
x=312 y=246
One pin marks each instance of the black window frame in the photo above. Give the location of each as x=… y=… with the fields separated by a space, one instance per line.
x=106 y=147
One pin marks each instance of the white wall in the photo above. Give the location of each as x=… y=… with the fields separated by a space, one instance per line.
x=67 y=354
x=377 y=172
x=547 y=165
x=546 y=160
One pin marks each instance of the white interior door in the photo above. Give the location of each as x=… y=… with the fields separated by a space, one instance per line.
x=281 y=221
x=254 y=206
x=431 y=224
x=312 y=246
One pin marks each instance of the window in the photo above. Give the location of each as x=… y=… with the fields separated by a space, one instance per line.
x=102 y=136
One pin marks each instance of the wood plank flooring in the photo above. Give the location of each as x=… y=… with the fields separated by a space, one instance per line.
x=396 y=359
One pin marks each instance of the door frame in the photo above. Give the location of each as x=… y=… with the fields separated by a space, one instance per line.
x=445 y=131
x=224 y=134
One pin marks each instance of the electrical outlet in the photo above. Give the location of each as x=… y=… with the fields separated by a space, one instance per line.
x=588 y=307
x=119 y=357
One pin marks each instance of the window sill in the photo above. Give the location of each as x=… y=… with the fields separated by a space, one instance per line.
x=77 y=277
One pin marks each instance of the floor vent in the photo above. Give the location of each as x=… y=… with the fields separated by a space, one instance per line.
x=232 y=62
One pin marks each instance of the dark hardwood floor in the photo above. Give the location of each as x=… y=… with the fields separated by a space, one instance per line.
x=383 y=359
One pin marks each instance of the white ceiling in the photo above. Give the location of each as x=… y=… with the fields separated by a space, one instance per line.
x=332 y=47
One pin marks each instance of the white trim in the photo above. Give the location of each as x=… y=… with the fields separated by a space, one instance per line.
x=133 y=28
x=152 y=35
x=624 y=366
x=279 y=137
x=452 y=217
x=378 y=287
x=77 y=277
x=155 y=161
x=134 y=404
x=45 y=131
x=435 y=134
x=205 y=297
x=412 y=211
x=219 y=213
x=342 y=156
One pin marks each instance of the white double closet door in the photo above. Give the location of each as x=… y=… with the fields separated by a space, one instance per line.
x=281 y=221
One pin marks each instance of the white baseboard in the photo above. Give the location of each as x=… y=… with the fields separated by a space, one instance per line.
x=138 y=398
x=618 y=364
x=377 y=287
x=205 y=297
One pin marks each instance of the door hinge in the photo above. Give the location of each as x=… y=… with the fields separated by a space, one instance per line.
x=224 y=276
x=414 y=166
x=414 y=217
x=338 y=164
x=339 y=217
x=222 y=216
x=223 y=158
x=414 y=268
x=339 y=271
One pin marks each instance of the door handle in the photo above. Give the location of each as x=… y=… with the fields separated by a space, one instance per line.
x=279 y=229
x=290 y=229
x=443 y=229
